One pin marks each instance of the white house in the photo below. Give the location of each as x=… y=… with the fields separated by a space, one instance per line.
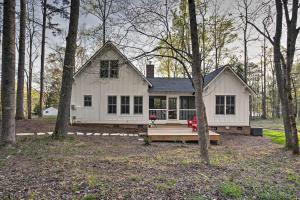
x=109 y=89
x=51 y=111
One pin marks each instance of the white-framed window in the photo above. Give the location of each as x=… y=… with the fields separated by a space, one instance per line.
x=138 y=105
x=112 y=105
x=109 y=69
x=225 y=104
x=87 y=100
x=125 y=104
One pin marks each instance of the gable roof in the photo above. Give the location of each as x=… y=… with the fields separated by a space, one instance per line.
x=110 y=44
x=184 y=85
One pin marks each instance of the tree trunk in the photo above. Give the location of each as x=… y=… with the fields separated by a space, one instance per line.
x=8 y=135
x=29 y=89
x=280 y=75
x=21 y=64
x=63 y=116
x=198 y=83
x=104 y=23
x=264 y=95
x=43 y=58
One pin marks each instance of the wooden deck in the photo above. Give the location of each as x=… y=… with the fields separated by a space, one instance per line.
x=177 y=133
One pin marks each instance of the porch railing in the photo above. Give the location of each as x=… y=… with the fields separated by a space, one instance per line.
x=161 y=114
x=185 y=114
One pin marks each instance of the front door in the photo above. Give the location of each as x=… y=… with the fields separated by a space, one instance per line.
x=172 y=108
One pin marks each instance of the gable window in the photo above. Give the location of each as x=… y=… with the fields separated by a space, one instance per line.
x=138 y=105
x=125 y=104
x=112 y=105
x=109 y=69
x=87 y=100
x=225 y=105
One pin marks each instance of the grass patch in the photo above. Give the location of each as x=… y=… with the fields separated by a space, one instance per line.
x=272 y=193
x=135 y=178
x=231 y=190
x=89 y=197
x=276 y=136
x=293 y=177
x=165 y=184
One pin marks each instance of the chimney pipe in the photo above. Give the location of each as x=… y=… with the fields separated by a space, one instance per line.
x=150 y=71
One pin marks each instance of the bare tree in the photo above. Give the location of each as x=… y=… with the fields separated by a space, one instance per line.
x=8 y=74
x=63 y=116
x=283 y=63
x=198 y=84
x=21 y=64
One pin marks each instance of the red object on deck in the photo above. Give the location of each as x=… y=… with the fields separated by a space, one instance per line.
x=190 y=122
x=152 y=117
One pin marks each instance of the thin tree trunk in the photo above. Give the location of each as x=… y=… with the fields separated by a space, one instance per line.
x=29 y=89
x=63 y=116
x=43 y=58
x=104 y=23
x=198 y=83
x=264 y=95
x=21 y=64
x=8 y=135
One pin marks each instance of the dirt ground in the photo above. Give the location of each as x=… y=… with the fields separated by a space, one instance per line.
x=47 y=125
x=114 y=167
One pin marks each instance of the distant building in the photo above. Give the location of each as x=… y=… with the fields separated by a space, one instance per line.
x=50 y=111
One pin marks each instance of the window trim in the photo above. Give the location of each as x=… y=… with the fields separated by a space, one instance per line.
x=138 y=105
x=87 y=95
x=110 y=70
x=108 y=104
x=225 y=104
x=125 y=105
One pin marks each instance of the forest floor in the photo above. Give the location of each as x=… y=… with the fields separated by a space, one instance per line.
x=48 y=124
x=114 y=167
x=272 y=124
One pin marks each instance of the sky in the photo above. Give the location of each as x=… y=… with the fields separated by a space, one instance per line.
x=228 y=7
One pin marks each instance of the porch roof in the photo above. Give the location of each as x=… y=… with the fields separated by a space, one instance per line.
x=183 y=85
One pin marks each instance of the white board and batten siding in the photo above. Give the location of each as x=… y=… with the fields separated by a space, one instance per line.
x=227 y=84
x=88 y=82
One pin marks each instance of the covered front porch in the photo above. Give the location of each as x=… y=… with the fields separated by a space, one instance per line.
x=171 y=108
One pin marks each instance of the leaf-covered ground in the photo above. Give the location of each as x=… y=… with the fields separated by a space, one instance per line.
x=112 y=167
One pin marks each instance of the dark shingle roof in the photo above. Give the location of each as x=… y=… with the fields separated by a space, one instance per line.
x=179 y=84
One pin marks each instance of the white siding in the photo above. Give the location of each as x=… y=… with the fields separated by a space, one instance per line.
x=227 y=84
x=88 y=82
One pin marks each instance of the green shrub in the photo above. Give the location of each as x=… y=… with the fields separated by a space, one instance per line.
x=231 y=190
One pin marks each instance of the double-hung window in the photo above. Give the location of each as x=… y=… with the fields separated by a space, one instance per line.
x=112 y=105
x=109 y=69
x=138 y=105
x=87 y=100
x=125 y=105
x=225 y=105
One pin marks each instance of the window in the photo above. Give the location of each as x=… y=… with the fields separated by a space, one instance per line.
x=157 y=106
x=109 y=69
x=157 y=102
x=104 y=69
x=87 y=100
x=112 y=105
x=114 y=69
x=138 y=105
x=187 y=107
x=225 y=104
x=187 y=102
x=230 y=105
x=220 y=103
x=125 y=104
